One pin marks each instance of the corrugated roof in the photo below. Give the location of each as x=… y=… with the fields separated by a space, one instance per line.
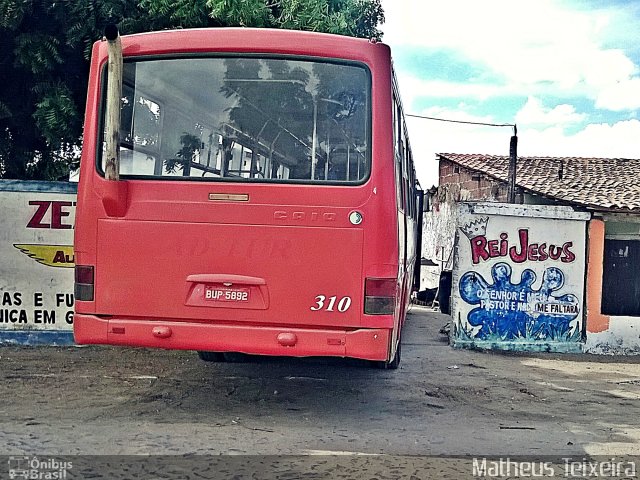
x=600 y=183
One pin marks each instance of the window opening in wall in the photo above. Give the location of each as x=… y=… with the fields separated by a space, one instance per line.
x=621 y=282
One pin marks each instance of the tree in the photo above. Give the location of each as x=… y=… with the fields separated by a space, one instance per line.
x=45 y=48
x=44 y=66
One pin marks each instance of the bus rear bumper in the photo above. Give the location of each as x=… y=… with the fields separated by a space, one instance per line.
x=364 y=343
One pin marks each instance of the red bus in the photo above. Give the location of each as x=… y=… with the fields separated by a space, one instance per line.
x=266 y=201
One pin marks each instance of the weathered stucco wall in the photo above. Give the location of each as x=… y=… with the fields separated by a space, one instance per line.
x=621 y=337
x=608 y=334
x=437 y=241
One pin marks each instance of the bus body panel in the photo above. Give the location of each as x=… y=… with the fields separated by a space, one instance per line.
x=285 y=270
x=368 y=344
x=157 y=245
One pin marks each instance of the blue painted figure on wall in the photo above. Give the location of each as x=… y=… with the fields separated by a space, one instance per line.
x=508 y=310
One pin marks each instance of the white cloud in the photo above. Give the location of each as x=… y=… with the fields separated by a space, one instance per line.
x=620 y=96
x=412 y=88
x=533 y=113
x=431 y=137
x=535 y=50
x=595 y=140
x=530 y=45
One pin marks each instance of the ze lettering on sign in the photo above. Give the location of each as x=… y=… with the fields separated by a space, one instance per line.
x=50 y=214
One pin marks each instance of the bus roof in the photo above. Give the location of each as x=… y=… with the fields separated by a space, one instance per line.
x=250 y=40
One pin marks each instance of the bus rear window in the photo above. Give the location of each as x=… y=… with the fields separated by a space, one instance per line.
x=246 y=119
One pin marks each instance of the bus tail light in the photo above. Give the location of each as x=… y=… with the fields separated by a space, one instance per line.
x=380 y=296
x=84 y=280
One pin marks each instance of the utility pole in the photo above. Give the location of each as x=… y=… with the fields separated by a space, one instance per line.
x=513 y=160
x=114 y=95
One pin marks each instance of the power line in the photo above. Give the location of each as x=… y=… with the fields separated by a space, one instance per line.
x=513 y=147
x=467 y=122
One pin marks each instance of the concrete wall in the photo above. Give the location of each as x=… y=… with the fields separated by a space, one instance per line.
x=518 y=277
x=437 y=241
x=456 y=184
x=620 y=337
x=607 y=334
x=36 y=271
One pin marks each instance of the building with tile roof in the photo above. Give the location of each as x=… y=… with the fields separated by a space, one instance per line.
x=600 y=184
x=607 y=188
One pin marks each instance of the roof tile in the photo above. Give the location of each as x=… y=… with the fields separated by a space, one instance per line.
x=608 y=183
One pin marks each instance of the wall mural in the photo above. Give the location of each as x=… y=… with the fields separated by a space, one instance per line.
x=509 y=310
x=519 y=279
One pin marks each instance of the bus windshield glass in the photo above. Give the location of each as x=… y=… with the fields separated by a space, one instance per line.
x=246 y=119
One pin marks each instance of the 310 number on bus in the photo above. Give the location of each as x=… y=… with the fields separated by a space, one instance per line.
x=331 y=304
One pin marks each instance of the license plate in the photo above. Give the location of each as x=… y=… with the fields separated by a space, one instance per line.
x=226 y=294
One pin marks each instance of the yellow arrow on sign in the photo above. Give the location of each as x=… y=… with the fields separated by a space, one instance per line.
x=50 y=255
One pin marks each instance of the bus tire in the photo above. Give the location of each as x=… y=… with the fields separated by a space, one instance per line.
x=237 y=357
x=211 y=356
x=393 y=364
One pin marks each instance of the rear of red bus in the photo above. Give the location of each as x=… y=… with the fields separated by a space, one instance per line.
x=256 y=207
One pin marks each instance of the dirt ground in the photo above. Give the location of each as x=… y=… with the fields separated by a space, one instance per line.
x=442 y=401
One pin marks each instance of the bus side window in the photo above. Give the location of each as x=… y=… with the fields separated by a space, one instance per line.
x=394 y=126
x=402 y=158
x=406 y=170
x=415 y=194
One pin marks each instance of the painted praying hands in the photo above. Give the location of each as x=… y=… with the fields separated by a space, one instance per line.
x=508 y=310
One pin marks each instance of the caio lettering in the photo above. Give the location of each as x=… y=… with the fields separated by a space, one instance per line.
x=302 y=216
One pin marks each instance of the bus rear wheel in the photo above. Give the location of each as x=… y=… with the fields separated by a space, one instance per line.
x=393 y=364
x=211 y=356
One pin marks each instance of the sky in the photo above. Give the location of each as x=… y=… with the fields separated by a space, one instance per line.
x=566 y=72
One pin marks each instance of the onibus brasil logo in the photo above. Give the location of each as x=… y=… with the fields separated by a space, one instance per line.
x=32 y=468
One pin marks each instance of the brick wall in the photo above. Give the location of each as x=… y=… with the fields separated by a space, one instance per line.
x=464 y=184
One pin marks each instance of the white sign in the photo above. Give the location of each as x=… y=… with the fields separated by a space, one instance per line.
x=36 y=252
x=519 y=274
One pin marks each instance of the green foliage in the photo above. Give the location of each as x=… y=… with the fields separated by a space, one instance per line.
x=356 y=18
x=45 y=48
x=55 y=114
x=37 y=52
x=246 y=13
x=44 y=64
x=11 y=13
x=171 y=14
